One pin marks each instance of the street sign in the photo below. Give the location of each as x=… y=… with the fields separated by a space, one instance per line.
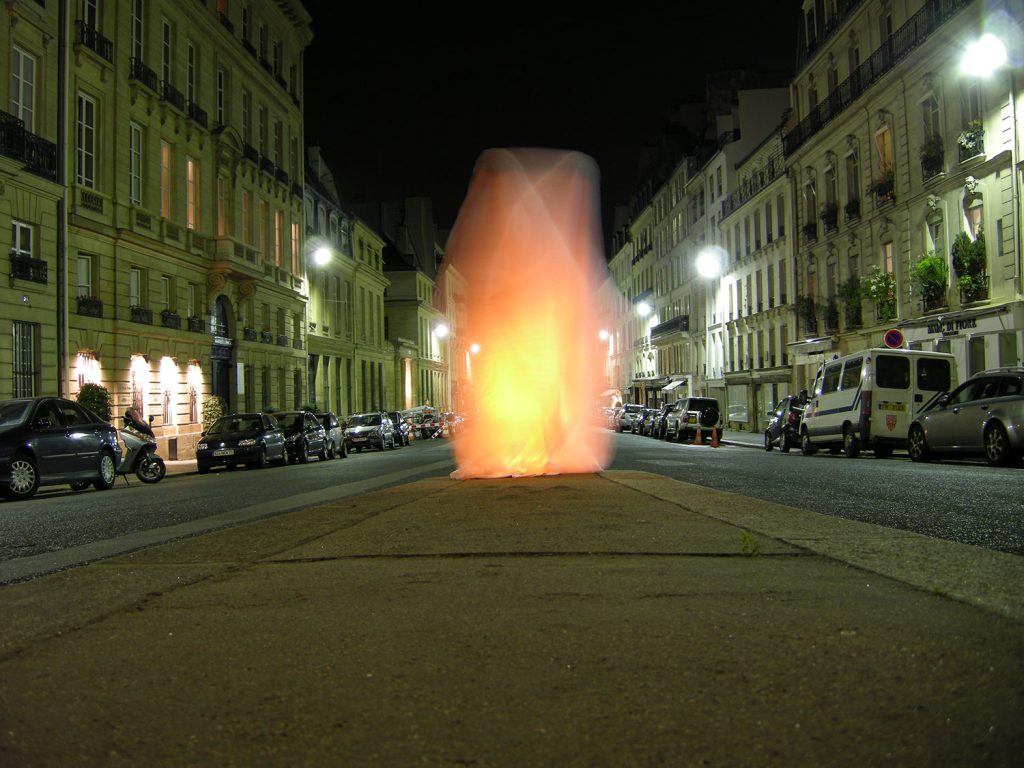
x=894 y=338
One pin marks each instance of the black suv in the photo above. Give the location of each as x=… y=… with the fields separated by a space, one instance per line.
x=303 y=435
x=691 y=415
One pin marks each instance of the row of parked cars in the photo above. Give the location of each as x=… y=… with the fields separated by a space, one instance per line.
x=680 y=421
x=254 y=440
x=877 y=400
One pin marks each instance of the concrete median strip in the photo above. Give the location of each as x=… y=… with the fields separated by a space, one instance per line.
x=614 y=619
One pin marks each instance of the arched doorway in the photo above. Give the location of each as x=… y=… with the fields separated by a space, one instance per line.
x=221 y=352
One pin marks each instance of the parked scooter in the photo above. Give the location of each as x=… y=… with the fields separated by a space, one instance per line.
x=140 y=454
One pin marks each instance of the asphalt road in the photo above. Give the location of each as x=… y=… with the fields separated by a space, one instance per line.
x=966 y=502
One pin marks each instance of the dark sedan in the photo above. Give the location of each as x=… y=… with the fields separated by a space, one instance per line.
x=403 y=432
x=303 y=435
x=50 y=441
x=252 y=439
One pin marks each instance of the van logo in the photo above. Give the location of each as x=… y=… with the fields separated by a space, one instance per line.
x=890 y=421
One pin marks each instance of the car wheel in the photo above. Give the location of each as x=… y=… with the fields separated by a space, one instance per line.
x=107 y=473
x=331 y=452
x=806 y=446
x=767 y=440
x=785 y=445
x=24 y=478
x=302 y=452
x=851 y=445
x=261 y=459
x=322 y=455
x=343 y=450
x=997 y=446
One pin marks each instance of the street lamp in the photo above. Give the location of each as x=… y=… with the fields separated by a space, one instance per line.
x=440 y=330
x=321 y=255
x=984 y=56
x=709 y=262
x=643 y=309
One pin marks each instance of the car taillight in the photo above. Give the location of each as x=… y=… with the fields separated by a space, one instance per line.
x=865 y=404
x=792 y=417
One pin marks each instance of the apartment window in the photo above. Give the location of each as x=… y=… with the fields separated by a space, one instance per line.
x=247 y=217
x=191 y=72
x=23 y=87
x=277 y=57
x=165 y=50
x=971 y=101
x=883 y=143
x=137 y=30
x=833 y=77
x=223 y=206
x=134 y=164
x=21 y=239
x=830 y=186
x=852 y=178
x=166 y=298
x=718 y=180
x=292 y=80
x=263 y=41
x=295 y=249
x=293 y=157
x=885 y=26
x=222 y=8
x=278 y=144
x=247 y=116
x=888 y=264
x=192 y=203
x=190 y=300
x=135 y=287
x=853 y=58
x=83 y=275
x=974 y=212
x=86 y=166
x=278 y=237
x=166 y=179
x=264 y=230
x=932 y=118
x=25 y=359
x=769 y=233
x=247 y=24
x=262 y=128
x=222 y=94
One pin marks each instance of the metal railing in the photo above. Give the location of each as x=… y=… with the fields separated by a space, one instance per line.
x=92 y=39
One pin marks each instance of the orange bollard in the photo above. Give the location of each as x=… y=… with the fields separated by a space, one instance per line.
x=714 y=437
x=697 y=438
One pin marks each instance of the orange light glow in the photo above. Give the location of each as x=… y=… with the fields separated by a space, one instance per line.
x=527 y=242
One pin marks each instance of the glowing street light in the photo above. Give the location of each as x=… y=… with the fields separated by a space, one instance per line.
x=984 y=56
x=440 y=330
x=474 y=348
x=603 y=335
x=643 y=309
x=321 y=255
x=709 y=263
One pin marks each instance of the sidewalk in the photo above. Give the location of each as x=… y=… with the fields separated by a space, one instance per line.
x=618 y=619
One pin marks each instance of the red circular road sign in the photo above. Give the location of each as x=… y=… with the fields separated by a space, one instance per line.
x=894 y=338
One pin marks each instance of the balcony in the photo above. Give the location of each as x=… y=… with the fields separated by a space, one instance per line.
x=281 y=175
x=141 y=314
x=977 y=289
x=197 y=115
x=26 y=268
x=971 y=142
x=810 y=232
x=196 y=324
x=89 y=306
x=249 y=153
x=225 y=22
x=680 y=324
x=912 y=34
x=830 y=217
x=852 y=209
x=282 y=340
x=266 y=165
x=169 y=319
x=297 y=344
x=296 y=189
x=266 y=337
x=143 y=74
x=172 y=95
x=38 y=155
x=94 y=41
x=249 y=334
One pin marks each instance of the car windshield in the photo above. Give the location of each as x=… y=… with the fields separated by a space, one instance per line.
x=290 y=420
x=235 y=424
x=365 y=420
x=14 y=411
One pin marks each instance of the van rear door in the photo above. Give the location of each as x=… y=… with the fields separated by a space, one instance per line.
x=892 y=397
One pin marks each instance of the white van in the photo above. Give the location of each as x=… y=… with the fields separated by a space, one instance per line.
x=868 y=399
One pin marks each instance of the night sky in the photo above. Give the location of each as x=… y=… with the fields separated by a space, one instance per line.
x=402 y=102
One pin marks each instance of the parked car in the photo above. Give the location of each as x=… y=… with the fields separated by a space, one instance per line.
x=783 y=428
x=304 y=435
x=661 y=420
x=252 y=439
x=694 y=414
x=983 y=416
x=403 y=432
x=51 y=441
x=642 y=425
x=627 y=417
x=367 y=430
x=337 y=445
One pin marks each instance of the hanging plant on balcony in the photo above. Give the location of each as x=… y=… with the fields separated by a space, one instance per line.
x=829 y=215
x=930 y=276
x=849 y=293
x=969 y=262
x=880 y=288
x=805 y=311
x=884 y=185
x=972 y=138
x=831 y=314
x=932 y=154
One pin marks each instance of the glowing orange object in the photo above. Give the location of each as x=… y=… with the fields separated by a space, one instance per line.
x=527 y=242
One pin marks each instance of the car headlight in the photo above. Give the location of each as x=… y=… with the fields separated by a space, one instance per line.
x=202 y=447
x=247 y=441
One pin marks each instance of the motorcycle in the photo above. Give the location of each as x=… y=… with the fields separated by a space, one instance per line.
x=140 y=454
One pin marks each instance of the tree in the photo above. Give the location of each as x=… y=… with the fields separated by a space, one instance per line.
x=213 y=409
x=96 y=399
x=849 y=293
x=969 y=263
x=930 y=275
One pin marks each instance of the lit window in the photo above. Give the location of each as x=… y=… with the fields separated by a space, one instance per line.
x=166 y=176
x=191 y=193
x=86 y=154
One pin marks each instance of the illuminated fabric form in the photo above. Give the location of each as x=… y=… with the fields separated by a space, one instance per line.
x=527 y=242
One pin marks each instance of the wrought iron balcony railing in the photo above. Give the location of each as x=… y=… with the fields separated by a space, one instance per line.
x=141 y=314
x=90 y=306
x=140 y=72
x=92 y=39
x=26 y=268
x=197 y=114
x=172 y=95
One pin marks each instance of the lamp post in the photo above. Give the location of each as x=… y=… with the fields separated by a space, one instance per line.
x=708 y=263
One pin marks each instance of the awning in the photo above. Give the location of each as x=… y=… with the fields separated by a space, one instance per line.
x=673 y=384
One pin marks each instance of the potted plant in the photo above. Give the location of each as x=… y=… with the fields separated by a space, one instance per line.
x=852 y=209
x=96 y=399
x=849 y=293
x=880 y=287
x=831 y=314
x=969 y=264
x=971 y=139
x=829 y=216
x=805 y=311
x=885 y=184
x=930 y=275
